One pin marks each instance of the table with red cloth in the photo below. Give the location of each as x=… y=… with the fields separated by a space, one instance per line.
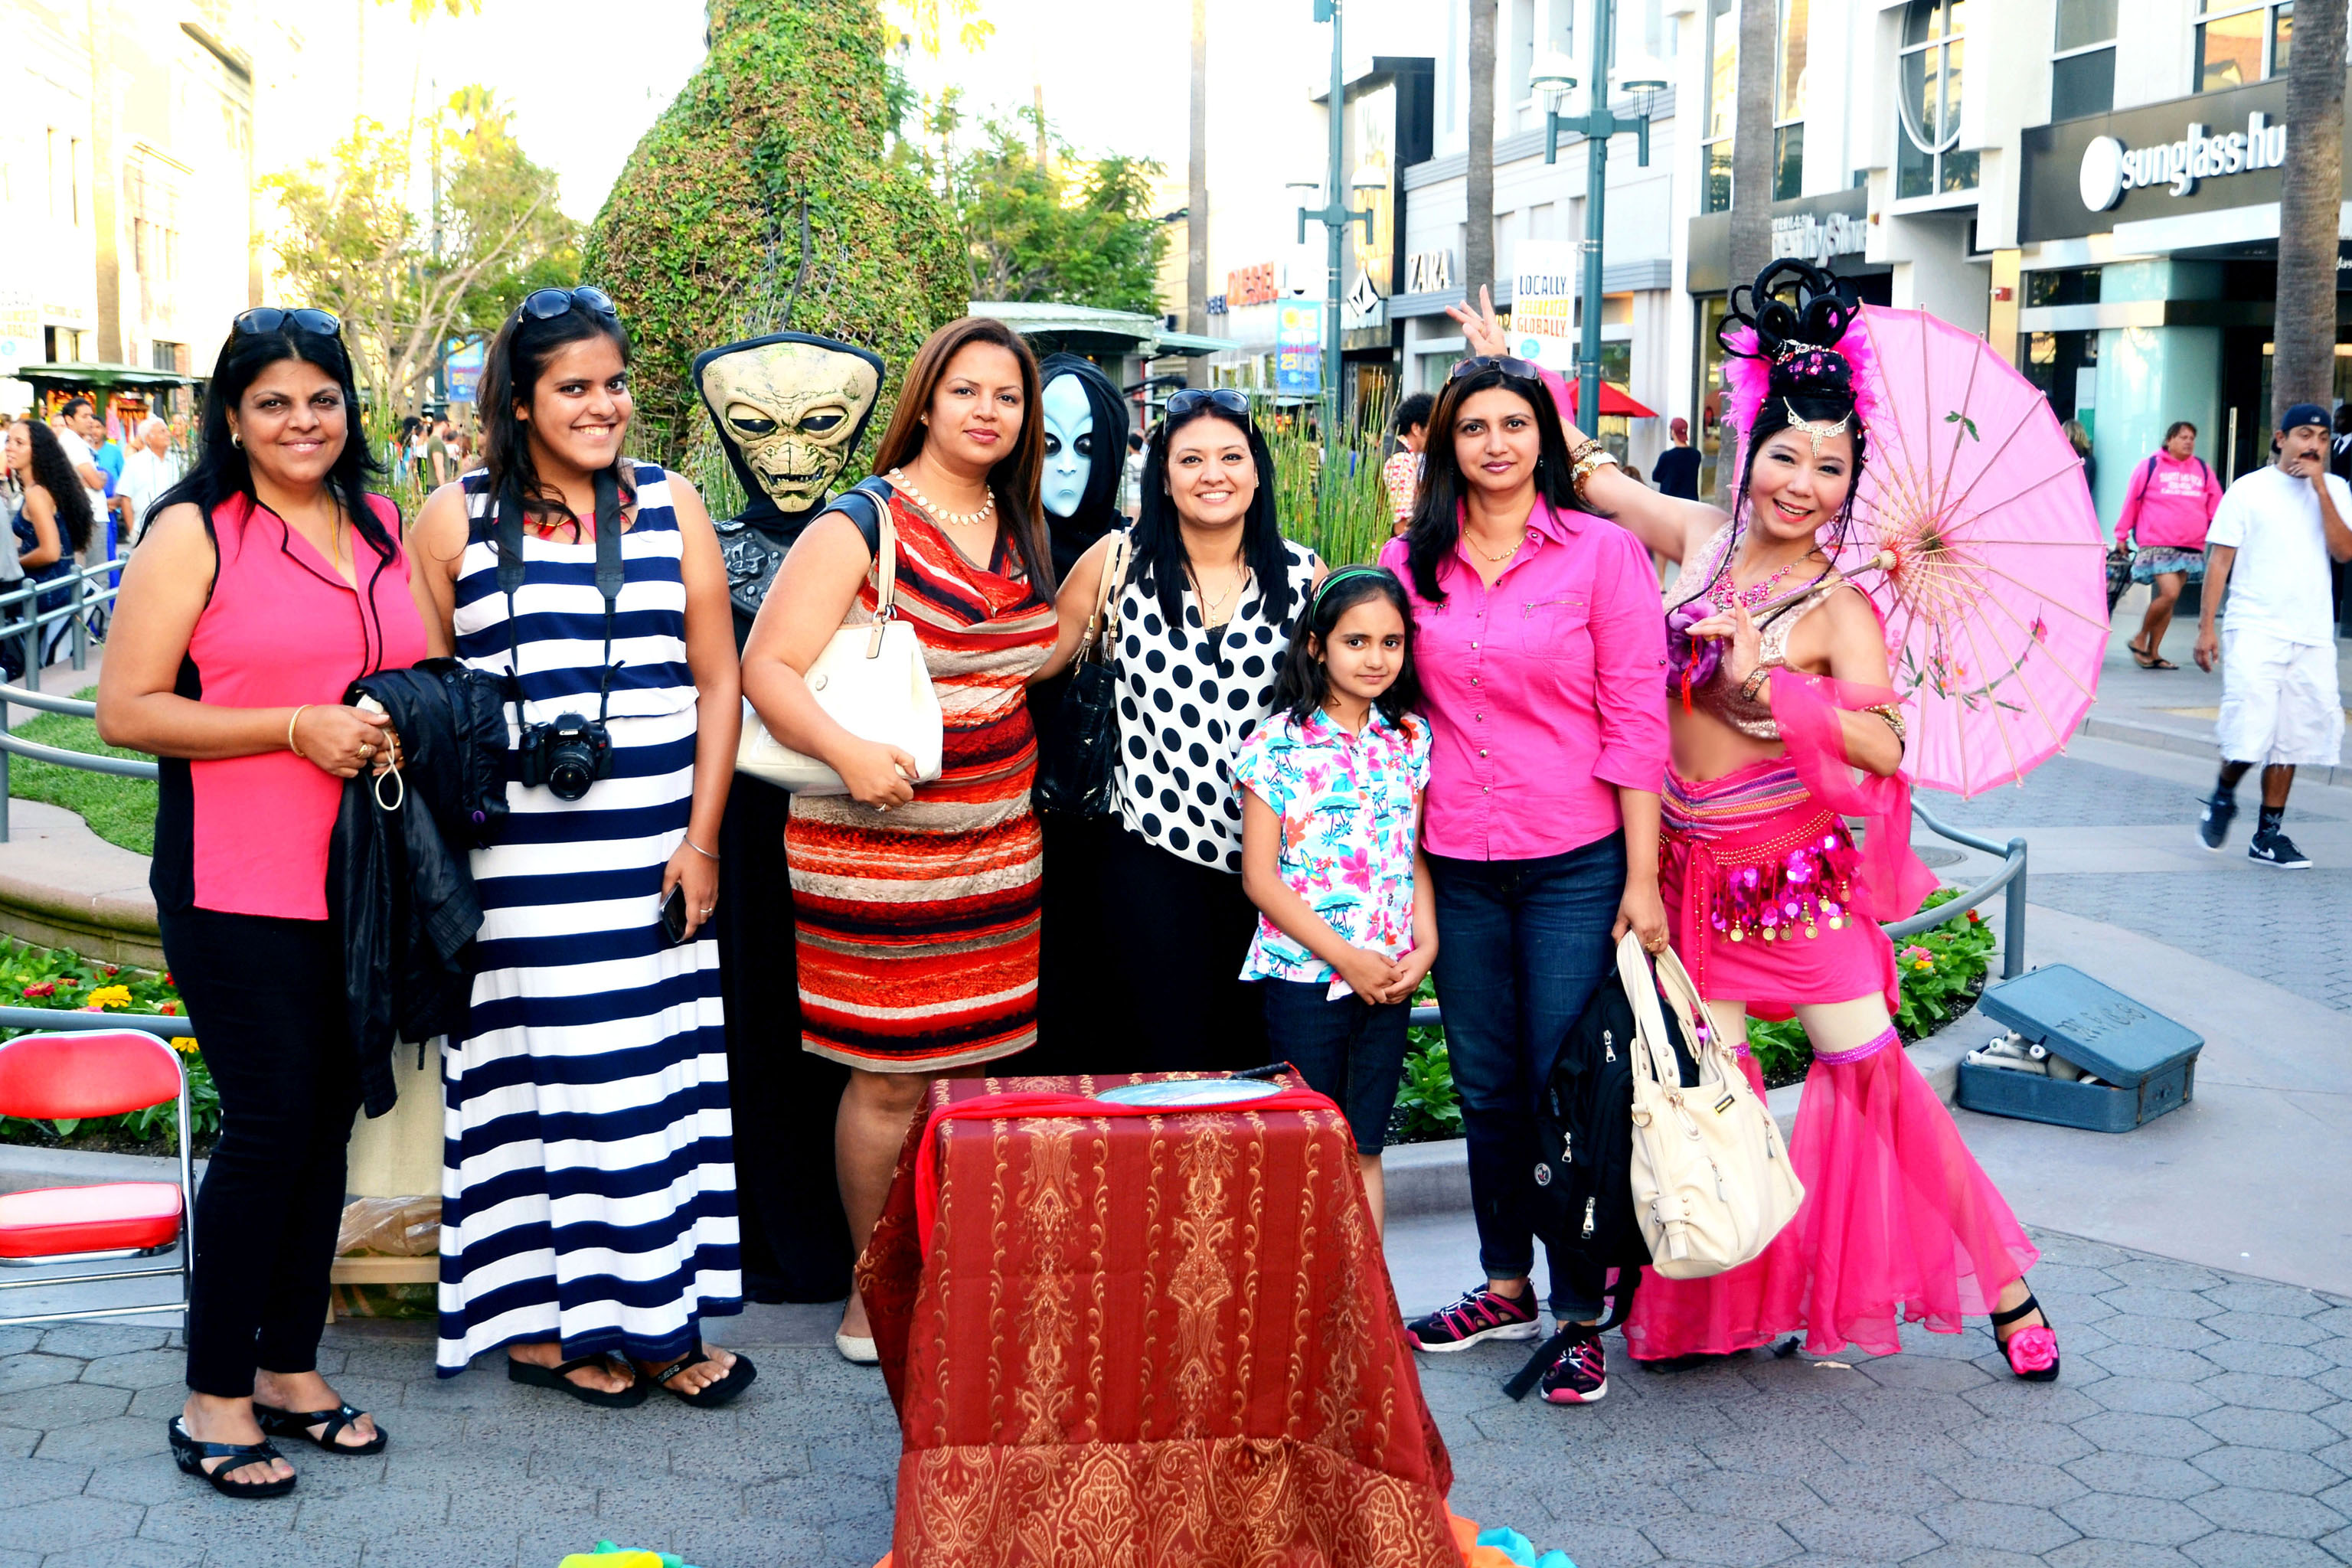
x=1146 y=1338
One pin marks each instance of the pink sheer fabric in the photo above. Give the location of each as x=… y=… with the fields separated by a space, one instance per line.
x=1892 y=881
x=1899 y=1224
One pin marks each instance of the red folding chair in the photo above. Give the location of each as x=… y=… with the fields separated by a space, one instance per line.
x=105 y=1072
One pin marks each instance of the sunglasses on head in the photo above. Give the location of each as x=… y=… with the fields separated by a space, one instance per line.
x=271 y=318
x=546 y=304
x=1224 y=398
x=1527 y=369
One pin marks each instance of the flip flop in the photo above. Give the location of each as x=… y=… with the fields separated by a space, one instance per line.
x=298 y=1424
x=555 y=1377
x=710 y=1396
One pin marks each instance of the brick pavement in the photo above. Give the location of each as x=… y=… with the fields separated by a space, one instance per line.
x=2203 y=1421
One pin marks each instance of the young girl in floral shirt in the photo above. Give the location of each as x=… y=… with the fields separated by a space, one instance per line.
x=1331 y=787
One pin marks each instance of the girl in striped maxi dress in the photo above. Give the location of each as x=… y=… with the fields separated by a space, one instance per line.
x=588 y=1186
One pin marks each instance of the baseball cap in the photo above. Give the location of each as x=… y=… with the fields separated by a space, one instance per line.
x=2303 y=414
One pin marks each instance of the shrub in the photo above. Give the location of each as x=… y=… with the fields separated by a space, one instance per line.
x=767 y=191
x=54 y=978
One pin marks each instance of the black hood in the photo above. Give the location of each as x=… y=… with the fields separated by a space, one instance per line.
x=1097 y=511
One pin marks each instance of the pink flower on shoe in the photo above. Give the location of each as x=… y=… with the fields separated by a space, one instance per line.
x=2033 y=1350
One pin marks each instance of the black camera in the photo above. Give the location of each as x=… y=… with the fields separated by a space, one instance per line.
x=567 y=754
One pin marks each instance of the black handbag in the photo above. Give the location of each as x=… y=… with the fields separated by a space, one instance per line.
x=1078 y=767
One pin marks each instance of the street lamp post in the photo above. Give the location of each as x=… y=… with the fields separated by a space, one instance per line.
x=1335 y=218
x=1597 y=126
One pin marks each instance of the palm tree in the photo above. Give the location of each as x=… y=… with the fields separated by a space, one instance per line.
x=1751 y=177
x=1478 y=185
x=2311 y=189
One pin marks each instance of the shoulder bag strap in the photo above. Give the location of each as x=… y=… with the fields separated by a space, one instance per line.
x=611 y=573
x=885 y=564
x=1103 y=622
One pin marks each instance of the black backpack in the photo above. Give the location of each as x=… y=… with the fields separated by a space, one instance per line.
x=1584 y=1175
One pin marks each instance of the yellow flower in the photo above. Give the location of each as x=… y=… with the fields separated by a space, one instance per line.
x=110 y=996
x=184 y=1043
x=1923 y=964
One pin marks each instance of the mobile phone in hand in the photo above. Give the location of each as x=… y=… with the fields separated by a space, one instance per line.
x=673 y=915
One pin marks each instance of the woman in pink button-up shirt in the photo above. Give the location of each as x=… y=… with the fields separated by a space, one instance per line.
x=1542 y=659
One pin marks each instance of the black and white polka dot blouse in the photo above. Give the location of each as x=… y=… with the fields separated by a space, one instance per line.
x=1187 y=701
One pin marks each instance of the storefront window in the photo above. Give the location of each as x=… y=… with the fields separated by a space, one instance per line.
x=1722 y=97
x=1928 y=162
x=1789 y=104
x=2082 y=67
x=2237 y=45
x=1707 y=431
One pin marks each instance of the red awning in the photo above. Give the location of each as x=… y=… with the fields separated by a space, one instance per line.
x=1614 y=399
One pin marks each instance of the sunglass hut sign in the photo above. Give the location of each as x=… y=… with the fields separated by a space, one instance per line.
x=2110 y=168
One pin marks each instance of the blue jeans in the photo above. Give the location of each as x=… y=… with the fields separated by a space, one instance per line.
x=1521 y=945
x=1351 y=1049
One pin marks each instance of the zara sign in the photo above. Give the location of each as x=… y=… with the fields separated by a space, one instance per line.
x=2110 y=168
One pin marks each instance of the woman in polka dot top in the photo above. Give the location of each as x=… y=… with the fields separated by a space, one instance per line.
x=1205 y=614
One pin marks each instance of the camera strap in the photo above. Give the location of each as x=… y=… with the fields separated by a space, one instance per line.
x=612 y=573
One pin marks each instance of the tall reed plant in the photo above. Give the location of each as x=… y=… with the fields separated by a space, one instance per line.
x=1342 y=515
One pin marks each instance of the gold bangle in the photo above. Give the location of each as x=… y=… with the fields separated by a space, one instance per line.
x=1754 y=682
x=291 y=746
x=1893 y=716
x=1582 y=471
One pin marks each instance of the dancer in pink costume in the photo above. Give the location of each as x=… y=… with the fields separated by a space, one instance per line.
x=1777 y=690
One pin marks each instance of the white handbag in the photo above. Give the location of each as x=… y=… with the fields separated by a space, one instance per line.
x=1711 y=1177
x=871 y=680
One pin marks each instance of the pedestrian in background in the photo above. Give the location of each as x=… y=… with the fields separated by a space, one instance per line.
x=54 y=521
x=2272 y=540
x=273 y=570
x=1401 y=472
x=151 y=470
x=2078 y=436
x=2166 y=513
x=1676 y=470
x=80 y=432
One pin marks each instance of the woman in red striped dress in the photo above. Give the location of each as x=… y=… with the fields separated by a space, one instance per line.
x=917 y=905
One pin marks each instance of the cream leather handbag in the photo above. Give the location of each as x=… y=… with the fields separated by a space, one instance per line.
x=1712 y=1182
x=871 y=680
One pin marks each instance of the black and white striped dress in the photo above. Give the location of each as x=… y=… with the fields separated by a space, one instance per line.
x=588 y=1178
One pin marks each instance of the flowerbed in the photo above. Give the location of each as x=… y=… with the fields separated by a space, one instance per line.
x=1941 y=973
x=66 y=981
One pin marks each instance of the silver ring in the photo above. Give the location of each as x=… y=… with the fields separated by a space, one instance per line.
x=883 y=807
x=708 y=908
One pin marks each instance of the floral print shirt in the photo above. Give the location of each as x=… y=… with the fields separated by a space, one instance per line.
x=1351 y=810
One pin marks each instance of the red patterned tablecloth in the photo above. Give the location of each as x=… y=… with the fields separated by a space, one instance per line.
x=1151 y=1340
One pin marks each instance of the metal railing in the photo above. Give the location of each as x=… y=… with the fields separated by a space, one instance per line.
x=2010 y=879
x=89 y=593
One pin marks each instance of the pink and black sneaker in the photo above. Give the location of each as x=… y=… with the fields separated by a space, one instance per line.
x=1479 y=1315
x=1580 y=1376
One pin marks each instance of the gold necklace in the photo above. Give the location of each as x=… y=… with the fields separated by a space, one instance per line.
x=939 y=514
x=1506 y=554
x=1209 y=607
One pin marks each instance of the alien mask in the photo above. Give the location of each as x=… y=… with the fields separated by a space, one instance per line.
x=790 y=408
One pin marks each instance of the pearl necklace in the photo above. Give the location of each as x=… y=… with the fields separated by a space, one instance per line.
x=939 y=514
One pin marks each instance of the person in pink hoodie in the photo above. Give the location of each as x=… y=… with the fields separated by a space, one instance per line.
x=2166 y=511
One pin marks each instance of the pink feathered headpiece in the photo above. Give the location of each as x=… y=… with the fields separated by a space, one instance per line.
x=1816 y=347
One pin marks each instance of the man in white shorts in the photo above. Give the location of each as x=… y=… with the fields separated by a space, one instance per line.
x=2270 y=545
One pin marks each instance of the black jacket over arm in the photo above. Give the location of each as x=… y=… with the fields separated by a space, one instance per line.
x=397 y=872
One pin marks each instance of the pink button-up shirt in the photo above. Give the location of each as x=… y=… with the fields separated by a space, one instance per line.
x=1544 y=693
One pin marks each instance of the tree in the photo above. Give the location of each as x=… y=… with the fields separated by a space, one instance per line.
x=1033 y=233
x=766 y=197
x=353 y=242
x=1478 y=182
x=2311 y=193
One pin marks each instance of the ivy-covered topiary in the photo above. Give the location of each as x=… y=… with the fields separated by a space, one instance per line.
x=766 y=197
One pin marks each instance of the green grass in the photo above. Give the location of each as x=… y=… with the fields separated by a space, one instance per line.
x=121 y=811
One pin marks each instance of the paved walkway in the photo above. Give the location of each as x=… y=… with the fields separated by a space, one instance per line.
x=2202 y=1419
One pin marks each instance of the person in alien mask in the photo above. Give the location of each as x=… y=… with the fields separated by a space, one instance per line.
x=790 y=410
x=1086 y=440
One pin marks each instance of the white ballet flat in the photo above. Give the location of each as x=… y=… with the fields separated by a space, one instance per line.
x=856 y=1349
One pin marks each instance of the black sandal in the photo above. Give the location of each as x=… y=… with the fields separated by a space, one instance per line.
x=710 y=1396
x=191 y=1454
x=2032 y=1353
x=298 y=1424
x=556 y=1377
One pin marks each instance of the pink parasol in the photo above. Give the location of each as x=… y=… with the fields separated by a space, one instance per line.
x=1975 y=538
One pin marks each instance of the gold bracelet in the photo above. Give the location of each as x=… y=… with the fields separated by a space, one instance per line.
x=290 y=729
x=1594 y=457
x=1893 y=716
x=1754 y=682
x=699 y=850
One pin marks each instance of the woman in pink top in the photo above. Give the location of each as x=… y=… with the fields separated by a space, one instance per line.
x=1541 y=661
x=2168 y=508
x=269 y=580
